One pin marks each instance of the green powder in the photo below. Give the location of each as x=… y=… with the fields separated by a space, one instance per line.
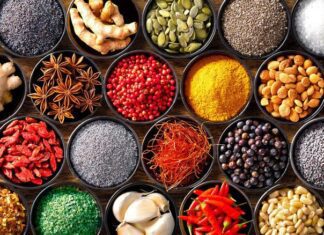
x=67 y=210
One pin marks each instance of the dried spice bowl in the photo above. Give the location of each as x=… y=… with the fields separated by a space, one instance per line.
x=36 y=153
x=111 y=223
x=18 y=94
x=118 y=154
x=130 y=13
x=65 y=87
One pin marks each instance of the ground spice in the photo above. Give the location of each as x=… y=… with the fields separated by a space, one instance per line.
x=12 y=213
x=217 y=88
x=67 y=210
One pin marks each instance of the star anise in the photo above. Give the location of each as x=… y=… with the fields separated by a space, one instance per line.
x=90 y=78
x=60 y=112
x=89 y=100
x=55 y=68
x=75 y=63
x=67 y=92
x=40 y=96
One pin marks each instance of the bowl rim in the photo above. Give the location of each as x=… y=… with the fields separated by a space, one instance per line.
x=44 y=191
x=32 y=81
x=113 y=66
x=257 y=83
x=25 y=84
x=140 y=184
x=237 y=53
x=23 y=201
x=230 y=127
x=59 y=169
x=11 y=52
x=85 y=51
x=296 y=35
x=213 y=152
x=74 y=134
x=163 y=53
x=215 y=182
x=184 y=78
x=275 y=188
x=293 y=148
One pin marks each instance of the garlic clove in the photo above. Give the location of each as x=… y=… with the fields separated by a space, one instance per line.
x=162 y=225
x=122 y=203
x=160 y=201
x=141 y=210
x=127 y=229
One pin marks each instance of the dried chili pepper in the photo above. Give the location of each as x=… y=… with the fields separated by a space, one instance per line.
x=230 y=211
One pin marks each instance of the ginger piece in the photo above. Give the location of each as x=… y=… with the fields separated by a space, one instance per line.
x=99 y=28
x=90 y=38
x=110 y=12
x=96 y=6
x=13 y=82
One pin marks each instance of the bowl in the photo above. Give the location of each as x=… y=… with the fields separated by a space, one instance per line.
x=111 y=222
x=235 y=192
x=237 y=53
x=30 y=186
x=257 y=82
x=57 y=185
x=111 y=69
x=19 y=94
x=162 y=52
x=292 y=153
x=296 y=36
x=271 y=190
x=37 y=73
x=23 y=202
x=222 y=140
x=130 y=12
x=208 y=165
x=74 y=134
x=7 y=49
x=185 y=74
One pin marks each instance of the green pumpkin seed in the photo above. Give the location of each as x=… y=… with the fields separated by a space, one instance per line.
x=182 y=40
x=167 y=31
x=174 y=46
x=190 y=21
x=180 y=16
x=192 y=47
x=171 y=51
x=186 y=4
x=171 y=25
x=162 y=4
x=149 y=25
x=154 y=39
x=181 y=26
x=199 y=3
x=151 y=14
x=164 y=13
x=201 y=34
x=156 y=24
x=206 y=10
x=193 y=11
x=198 y=24
x=161 y=21
x=161 y=39
x=182 y=50
x=202 y=17
x=172 y=36
x=186 y=12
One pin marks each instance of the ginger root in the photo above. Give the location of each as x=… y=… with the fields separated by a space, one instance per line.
x=96 y=6
x=90 y=39
x=110 y=13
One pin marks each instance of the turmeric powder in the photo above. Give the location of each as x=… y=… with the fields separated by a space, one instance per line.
x=217 y=88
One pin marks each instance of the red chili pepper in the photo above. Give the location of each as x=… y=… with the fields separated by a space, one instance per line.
x=215 y=190
x=199 y=192
x=217 y=211
x=189 y=219
x=211 y=218
x=204 y=229
x=217 y=198
x=236 y=227
x=203 y=221
x=226 y=222
x=222 y=189
x=193 y=205
x=230 y=211
x=198 y=233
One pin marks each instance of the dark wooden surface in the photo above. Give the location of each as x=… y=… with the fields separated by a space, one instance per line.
x=28 y=64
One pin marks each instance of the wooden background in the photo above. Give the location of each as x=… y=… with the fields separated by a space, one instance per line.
x=104 y=195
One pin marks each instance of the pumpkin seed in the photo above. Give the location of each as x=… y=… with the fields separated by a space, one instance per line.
x=174 y=46
x=161 y=39
x=180 y=16
x=198 y=24
x=201 y=34
x=202 y=17
x=192 y=47
x=154 y=38
x=182 y=26
x=186 y=12
x=198 y=3
x=162 y=3
x=206 y=10
x=182 y=40
x=164 y=13
x=156 y=24
x=173 y=37
x=149 y=25
x=161 y=21
x=171 y=25
x=193 y=11
x=186 y=4
x=190 y=21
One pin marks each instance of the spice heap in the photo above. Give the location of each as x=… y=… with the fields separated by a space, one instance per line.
x=309 y=154
x=254 y=153
x=309 y=25
x=67 y=88
x=100 y=25
x=179 y=26
x=141 y=87
x=8 y=82
x=111 y=157
x=178 y=153
x=254 y=28
x=143 y=214
x=31 y=27
x=29 y=151
x=217 y=88
x=214 y=211
x=292 y=87
x=67 y=210
x=291 y=211
x=12 y=214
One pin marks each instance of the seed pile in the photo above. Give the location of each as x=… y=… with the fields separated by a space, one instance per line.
x=254 y=154
x=292 y=87
x=31 y=27
x=309 y=154
x=29 y=151
x=291 y=211
x=67 y=210
x=12 y=213
x=254 y=28
x=111 y=156
x=309 y=24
